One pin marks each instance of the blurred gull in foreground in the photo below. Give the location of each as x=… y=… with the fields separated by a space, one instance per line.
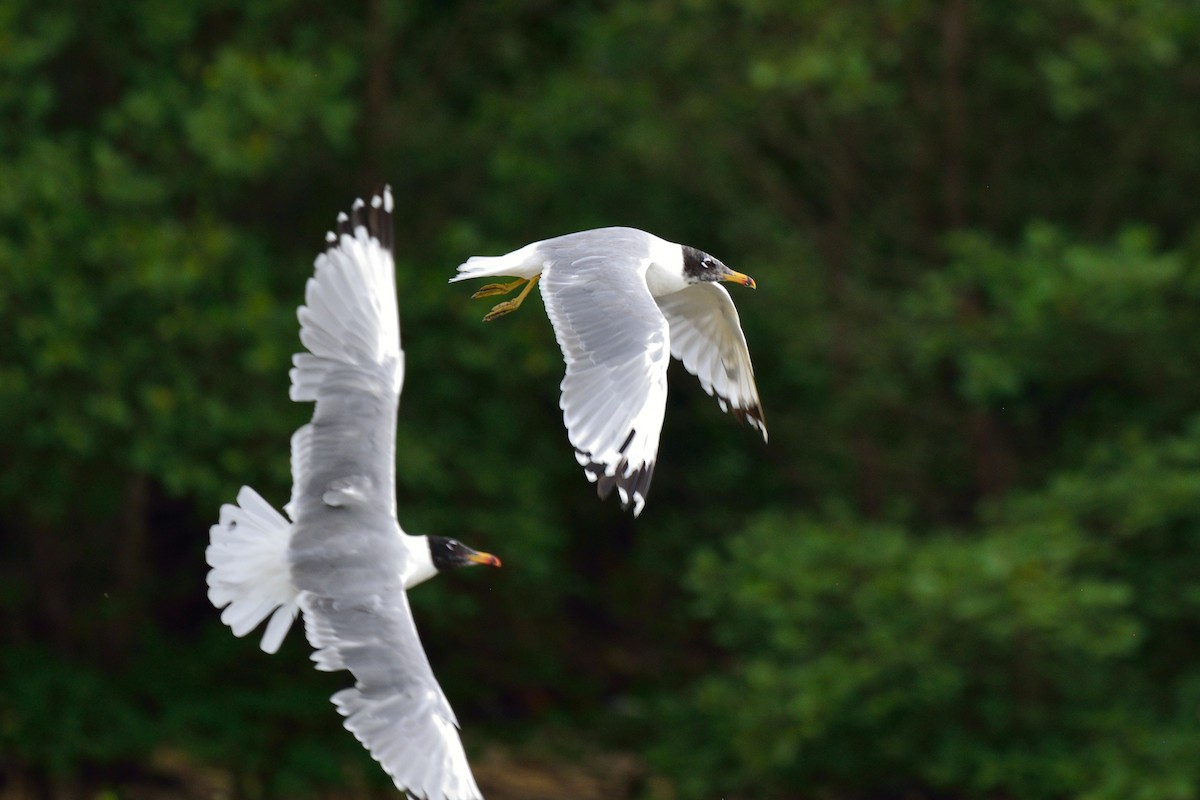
x=620 y=300
x=343 y=559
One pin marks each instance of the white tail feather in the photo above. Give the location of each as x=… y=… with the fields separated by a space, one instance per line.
x=250 y=577
x=522 y=263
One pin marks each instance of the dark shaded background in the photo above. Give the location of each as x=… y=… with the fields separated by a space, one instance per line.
x=967 y=565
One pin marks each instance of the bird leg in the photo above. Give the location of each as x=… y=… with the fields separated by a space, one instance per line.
x=509 y=306
x=492 y=289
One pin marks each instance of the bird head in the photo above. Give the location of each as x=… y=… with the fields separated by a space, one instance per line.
x=450 y=553
x=699 y=267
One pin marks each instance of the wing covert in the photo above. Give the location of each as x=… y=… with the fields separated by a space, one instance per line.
x=615 y=344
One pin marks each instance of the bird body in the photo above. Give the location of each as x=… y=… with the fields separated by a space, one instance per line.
x=343 y=559
x=660 y=261
x=622 y=301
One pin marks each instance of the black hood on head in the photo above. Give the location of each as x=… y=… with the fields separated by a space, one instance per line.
x=700 y=266
x=447 y=553
x=451 y=553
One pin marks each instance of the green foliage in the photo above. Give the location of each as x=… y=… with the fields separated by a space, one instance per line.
x=60 y=715
x=1055 y=313
x=1057 y=339
x=1043 y=655
x=269 y=725
x=963 y=566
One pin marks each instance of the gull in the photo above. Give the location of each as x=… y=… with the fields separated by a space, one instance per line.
x=340 y=556
x=622 y=301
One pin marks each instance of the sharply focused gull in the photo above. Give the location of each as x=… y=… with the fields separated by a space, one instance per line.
x=343 y=559
x=620 y=301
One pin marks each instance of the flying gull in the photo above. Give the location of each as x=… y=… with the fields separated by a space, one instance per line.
x=620 y=301
x=342 y=558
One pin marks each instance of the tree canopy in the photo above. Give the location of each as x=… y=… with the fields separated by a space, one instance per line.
x=967 y=564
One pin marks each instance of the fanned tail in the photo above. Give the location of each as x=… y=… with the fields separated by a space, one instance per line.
x=250 y=577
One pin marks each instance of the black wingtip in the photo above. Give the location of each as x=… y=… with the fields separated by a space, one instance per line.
x=375 y=215
x=633 y=487
x=753 y=417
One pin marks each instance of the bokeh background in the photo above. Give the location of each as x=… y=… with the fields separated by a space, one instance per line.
x=967 y=564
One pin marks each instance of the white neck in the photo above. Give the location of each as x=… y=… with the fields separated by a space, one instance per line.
x=664 y=268
x=418 y=566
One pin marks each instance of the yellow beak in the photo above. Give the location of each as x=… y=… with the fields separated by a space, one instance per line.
x=487 y=559
x=737 y=277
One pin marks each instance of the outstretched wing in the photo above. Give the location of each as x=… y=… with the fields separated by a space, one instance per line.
x=347 y=551
x=615 y=343
x=706 y=335
x=396 y=708
x=354 y=367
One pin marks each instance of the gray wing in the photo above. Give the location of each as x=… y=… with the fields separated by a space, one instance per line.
x=706 y=335
x=346 y=551
x=354 y=367
x=614 y=340
x=396 y=708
